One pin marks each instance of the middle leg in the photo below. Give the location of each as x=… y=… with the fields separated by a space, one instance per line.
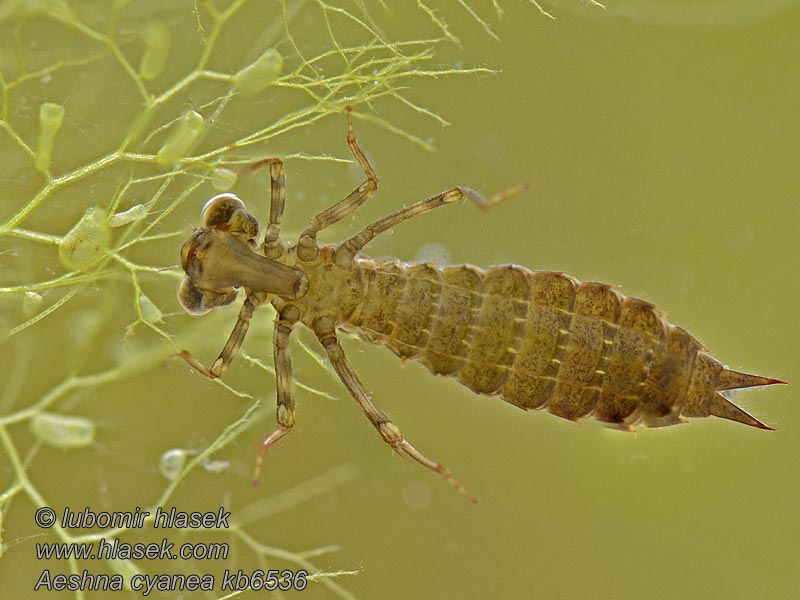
x=307 y=248
x=284 y=415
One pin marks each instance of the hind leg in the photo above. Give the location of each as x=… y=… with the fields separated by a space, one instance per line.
x=391 y=434
x=346 y=251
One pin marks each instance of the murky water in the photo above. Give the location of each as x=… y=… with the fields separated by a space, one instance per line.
x=662 y=145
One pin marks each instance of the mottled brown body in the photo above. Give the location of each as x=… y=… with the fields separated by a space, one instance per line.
x=537 y=339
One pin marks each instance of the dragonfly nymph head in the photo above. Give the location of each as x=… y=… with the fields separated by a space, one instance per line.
x=221 y=257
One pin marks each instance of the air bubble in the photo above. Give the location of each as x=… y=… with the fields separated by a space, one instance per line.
x=417 y=495
x=172 y=463
x=216 y=466
x=260 y=74
x=30 y=303
x=87 y=243
x=82 y=327
x=187 y=132
x=433 y=253
x=51 y=116
x=63 y=431
x=223 y=179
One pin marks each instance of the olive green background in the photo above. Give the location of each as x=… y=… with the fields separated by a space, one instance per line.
x=663 y=153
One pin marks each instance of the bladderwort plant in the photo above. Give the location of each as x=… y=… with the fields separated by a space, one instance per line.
x=113 y=115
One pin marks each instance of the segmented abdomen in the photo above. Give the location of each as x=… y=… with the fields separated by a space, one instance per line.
x=545 y=340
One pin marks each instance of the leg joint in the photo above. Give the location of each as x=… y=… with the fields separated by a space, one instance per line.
x=284 y=416
x=217 y=368
x=307 y=249
x=344 y=254
x=370 y=185
x=390 y=433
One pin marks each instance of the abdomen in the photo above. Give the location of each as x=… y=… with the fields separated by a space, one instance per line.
x=543 y=340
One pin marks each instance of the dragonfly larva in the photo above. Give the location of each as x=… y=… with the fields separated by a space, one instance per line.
x=537 y=339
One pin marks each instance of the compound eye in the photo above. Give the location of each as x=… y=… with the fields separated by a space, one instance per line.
x=220 y=208
x=228 y=213
x=192 y=251
x=191 y=298
x=198 y=302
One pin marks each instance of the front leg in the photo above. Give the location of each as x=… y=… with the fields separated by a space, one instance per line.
x=272 y=246
x=231 y=346
x=284 y=417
